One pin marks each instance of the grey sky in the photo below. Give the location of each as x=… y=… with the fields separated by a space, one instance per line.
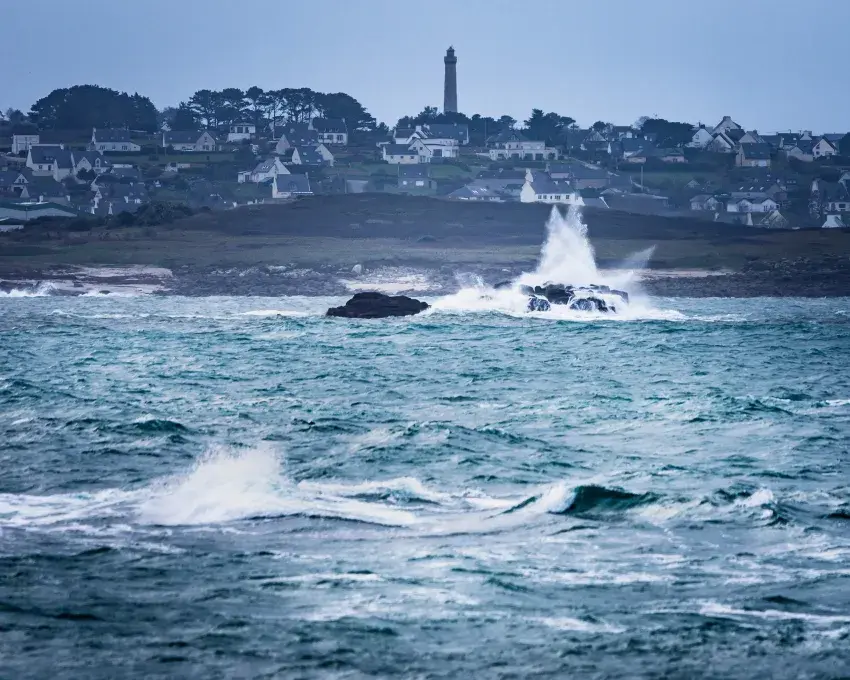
x=771 y=64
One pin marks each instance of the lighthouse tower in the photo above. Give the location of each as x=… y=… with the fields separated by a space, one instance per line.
x=450 y=83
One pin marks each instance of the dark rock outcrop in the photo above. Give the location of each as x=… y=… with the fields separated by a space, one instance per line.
x=586 y=299
x=378 y=306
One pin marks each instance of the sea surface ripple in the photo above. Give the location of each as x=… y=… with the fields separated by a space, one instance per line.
x=239 y=487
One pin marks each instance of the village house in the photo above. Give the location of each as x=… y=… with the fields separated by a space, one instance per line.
x=579 y=175
x=476 y=193
x=430 y=149
x=512 y=144
x=701 y=138
x=294 y=134
x=823 y=148
x=415 y=179
x=751 y=137
x=241 y=131
x=197 y=141
x=540 y=188
x=90 y=160
x=802 y=150
x=330 y=131
x=752 y=205
x=834 y=222
x=721 y=142
x=725 y=126
x=23 y=139
x=459 y=132
x=112 y=140
x=400 y=154
x=50 y=161
x=403 y=135
x=291 y=186
x=753 y=156
x=706 y=202
x=307 y=155
x=267 y=170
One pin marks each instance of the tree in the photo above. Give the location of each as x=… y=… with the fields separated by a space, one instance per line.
x=546 y=127
x=346 y=107
x=203 y=107
x=507 y=122
x=15 y=116
x=600 y=126
x=88 y=106
x=255 y=100
x=668 y=133
x=184 y=118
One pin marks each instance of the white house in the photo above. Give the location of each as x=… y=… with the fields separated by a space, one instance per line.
x=513 y=144
x=307 y=155
x=539 y=188
x=753 y=156
x=706 y=202
x=752 y=205
x=50 y=160
x=429 y=149
x=241 y=131
x=824 y=148
x=291 y=186
x=90 y=160
x=268 y=169
x=721 y=143
x=725 y=125
x=330 y=131
x=701 y=138
x=22 y=141
x=112 y=140
x=833 y=222
x=197 y=141
x=396 y=154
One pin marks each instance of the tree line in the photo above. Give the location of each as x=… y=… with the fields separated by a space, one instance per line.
x=91 y=106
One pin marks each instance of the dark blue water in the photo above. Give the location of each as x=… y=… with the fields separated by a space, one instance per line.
x=199 y=488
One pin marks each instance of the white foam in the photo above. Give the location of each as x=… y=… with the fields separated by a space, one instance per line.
x=578 y=625
x=718 y=609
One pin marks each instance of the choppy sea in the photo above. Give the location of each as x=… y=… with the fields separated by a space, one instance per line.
x=241 y=488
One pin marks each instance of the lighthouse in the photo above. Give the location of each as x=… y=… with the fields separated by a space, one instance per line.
x=450 y=82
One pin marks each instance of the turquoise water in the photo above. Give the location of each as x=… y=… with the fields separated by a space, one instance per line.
x=227 y=487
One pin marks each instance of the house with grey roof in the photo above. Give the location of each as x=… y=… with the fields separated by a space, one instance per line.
x=50 y=161
x=725 y=125
x=476 y=193
x=753 y=156
x=580 y=175
x=802 y=150
x=192 y=140
x=330 y=130
x=112 y=140
x=416 y=180
x=540 y=188
x=294 y=134
x=513 y=145
x=90 y=160
x=240 y=132
x=264 y=171
x=396 y=154
x=291 y=186
x=307 y=155
x=403 y=135
x=456 y=131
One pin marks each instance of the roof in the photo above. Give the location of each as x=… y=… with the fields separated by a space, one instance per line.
x=418 y=171
x=8 y=177
x=700 y=198
x=824 y=139
x=804 y=145
x=297 y=134
x=183 y=136
x=631 y=144
x=470 y=191
x=330 y=125
x=25 y=131
x=52 y=154
x=543 y=184
x=458 y=131
x=834 y=136
x=399 y=150
x=756 y=151
x=503 y=173
x=404 y=133
x=90 y=156
x=308 y=155
x=295 y=184
x=265 y=166
x=112 y=135
x=577 y=171
x=505 y=136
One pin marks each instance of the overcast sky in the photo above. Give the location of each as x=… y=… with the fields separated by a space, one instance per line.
x=771 y=64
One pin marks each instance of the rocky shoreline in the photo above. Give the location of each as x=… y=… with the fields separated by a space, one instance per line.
x=787 y=278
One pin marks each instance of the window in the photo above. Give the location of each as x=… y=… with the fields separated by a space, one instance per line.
x=339 y=138
x=124 y=147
